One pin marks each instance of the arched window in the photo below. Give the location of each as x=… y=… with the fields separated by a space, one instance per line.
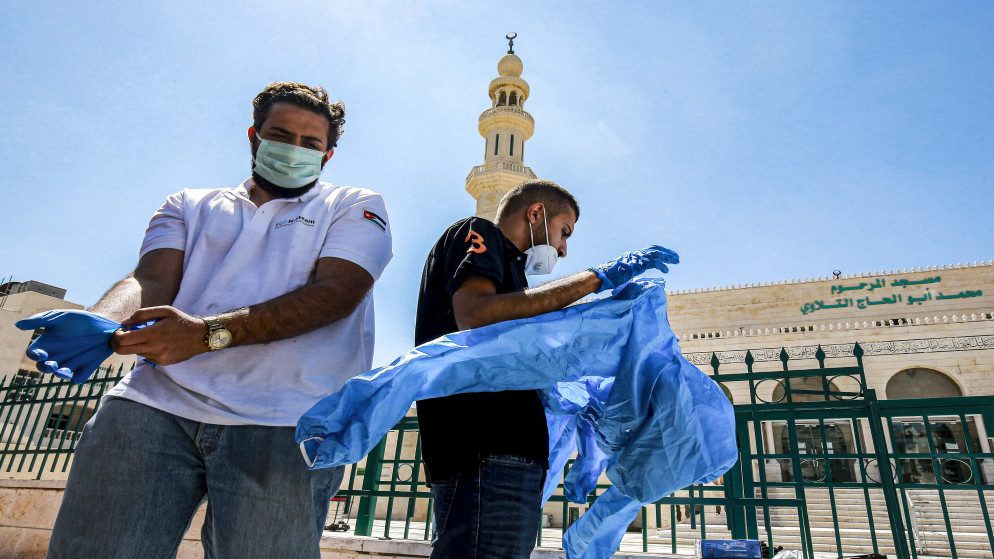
x=920 y=382
x=514 y=99
x=502 y=99
x=812 y=384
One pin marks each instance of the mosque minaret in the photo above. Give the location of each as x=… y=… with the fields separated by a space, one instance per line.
x=505 y=126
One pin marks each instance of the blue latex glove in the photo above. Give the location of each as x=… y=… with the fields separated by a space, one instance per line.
x=622 y=269
x=73 y=344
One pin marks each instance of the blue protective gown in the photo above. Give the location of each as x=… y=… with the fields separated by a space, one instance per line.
x=616 y=389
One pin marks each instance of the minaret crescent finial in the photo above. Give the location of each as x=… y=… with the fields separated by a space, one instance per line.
x=510 y=42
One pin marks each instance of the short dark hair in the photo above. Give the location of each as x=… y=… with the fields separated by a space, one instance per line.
x=314 y=99
x=555 y=198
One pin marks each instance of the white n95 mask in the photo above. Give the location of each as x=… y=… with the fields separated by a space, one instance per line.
x=541 y=259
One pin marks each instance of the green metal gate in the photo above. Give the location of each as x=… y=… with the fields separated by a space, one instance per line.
x=827 y=467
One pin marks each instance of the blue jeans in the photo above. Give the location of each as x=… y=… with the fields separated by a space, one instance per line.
x=490 y=513
x=140 y=474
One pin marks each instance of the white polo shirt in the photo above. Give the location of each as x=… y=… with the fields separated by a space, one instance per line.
x=236 y=255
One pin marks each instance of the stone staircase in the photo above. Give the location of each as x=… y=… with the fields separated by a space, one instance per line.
x=966 y=519
x=855 y=529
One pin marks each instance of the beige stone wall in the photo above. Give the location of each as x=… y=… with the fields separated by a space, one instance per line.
x=954 y=336
x=28 y=510
x=756 y=307
x=27 y=514
x=962 y=350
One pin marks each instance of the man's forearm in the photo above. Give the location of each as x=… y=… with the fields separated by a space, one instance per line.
x=154 y=282
x=482 y=309
x=128 y=295
x=295 y=313
x=178 y=336
x=337 y=290
x=120 y=301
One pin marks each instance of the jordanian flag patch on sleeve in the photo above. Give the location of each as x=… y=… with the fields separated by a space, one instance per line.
x=374 y=219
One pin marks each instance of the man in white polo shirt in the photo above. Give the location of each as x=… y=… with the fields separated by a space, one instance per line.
x=262 y=305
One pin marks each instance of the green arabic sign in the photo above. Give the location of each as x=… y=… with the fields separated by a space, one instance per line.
x=897 y=298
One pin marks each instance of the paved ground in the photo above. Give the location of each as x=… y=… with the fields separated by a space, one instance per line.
x=631 y=544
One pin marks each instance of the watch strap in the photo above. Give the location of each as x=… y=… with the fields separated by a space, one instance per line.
x=213 y=324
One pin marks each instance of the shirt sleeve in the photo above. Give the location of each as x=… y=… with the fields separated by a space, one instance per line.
x=476 y=249
x=167 y=228
x=360 y=233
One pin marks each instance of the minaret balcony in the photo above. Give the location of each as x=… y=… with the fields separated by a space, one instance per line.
x=506 y=110
x=507 y=118
x=498 y=167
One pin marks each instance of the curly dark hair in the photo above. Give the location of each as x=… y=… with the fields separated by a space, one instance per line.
x=310 y=98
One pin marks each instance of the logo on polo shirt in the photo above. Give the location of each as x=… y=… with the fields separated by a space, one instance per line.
x=374 y=219
x=298 y=219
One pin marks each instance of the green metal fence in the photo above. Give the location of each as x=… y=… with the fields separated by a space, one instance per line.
x=825 y=467
x=908 y=478
x=41 y=418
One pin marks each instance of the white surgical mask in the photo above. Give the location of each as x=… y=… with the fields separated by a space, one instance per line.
x=287 y=165
x=542 y=258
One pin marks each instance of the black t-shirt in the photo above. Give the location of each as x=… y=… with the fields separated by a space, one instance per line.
x=456 y=431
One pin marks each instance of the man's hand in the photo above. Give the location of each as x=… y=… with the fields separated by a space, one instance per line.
x=621 y=270
x=175 y=336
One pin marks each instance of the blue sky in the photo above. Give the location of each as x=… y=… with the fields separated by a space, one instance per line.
x=762 y=141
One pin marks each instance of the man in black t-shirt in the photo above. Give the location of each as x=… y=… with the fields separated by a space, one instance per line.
x=477 y=424
x=486 y=453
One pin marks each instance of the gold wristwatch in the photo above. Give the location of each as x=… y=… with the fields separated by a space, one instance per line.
x=218 y=337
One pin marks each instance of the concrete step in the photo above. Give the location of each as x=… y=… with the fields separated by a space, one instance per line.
x=826 y=514
x=855 y=539
x=976 y=545
x=960 y=517
x=853 y=518
x=970 y=494
x=822 y=541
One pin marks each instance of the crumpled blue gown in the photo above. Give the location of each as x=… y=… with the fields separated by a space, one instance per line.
x=617 y=391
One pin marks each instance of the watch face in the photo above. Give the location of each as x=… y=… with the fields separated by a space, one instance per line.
x=220 y=339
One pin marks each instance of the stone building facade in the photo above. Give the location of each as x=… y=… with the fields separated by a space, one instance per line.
x=926 y=332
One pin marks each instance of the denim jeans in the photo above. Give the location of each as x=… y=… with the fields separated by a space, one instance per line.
x=490 y=513
x=140 y=474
